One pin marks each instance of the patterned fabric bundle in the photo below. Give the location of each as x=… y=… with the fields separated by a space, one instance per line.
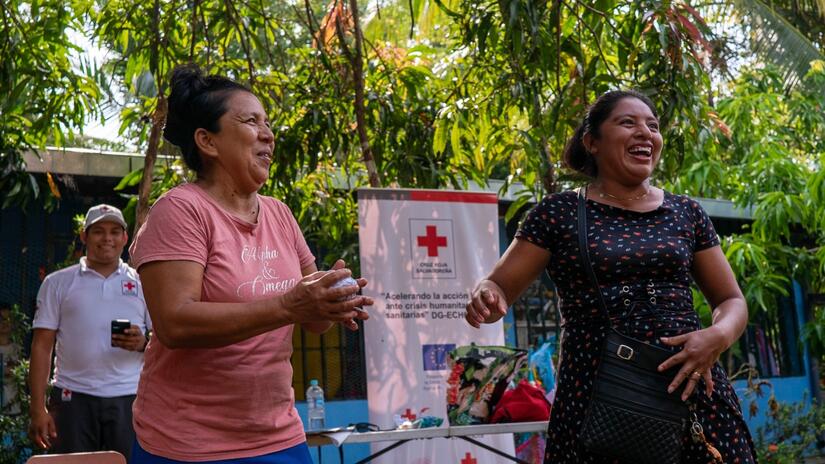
x=479 y=376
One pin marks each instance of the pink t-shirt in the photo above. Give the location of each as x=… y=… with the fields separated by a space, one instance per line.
x=230 y=402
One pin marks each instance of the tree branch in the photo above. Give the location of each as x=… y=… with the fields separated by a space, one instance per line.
x=310 y=18
x=242 y=34
x=158 y=120
x=339 y=31
x=193 y=24
x=412 y=19
x=208 y=37
x=607 y=21
x=357 y=63
x=597 y=41
x=557 y=7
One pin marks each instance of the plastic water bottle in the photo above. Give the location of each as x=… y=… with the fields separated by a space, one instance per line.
x=315 y=406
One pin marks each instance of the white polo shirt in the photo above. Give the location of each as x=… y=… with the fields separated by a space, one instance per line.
x=79 y=303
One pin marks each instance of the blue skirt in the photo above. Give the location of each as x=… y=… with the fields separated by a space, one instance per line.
x=298 y=454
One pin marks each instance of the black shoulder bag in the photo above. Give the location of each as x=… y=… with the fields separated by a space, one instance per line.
x=631 y=416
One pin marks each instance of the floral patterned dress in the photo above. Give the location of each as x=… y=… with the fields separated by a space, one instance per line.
x=643 y=263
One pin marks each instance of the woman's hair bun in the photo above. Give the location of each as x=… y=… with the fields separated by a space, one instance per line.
x=186 y=81
x=195 y=101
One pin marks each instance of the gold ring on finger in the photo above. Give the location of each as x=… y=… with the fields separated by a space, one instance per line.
x=696 y=375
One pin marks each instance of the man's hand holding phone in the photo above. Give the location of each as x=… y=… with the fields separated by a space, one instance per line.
x=127 y=335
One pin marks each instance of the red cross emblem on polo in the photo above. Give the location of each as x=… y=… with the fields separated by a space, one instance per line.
x=432 y=241
x=468 y=459
x=128 y=287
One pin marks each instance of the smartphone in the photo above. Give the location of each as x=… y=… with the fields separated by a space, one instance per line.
x=119 y=326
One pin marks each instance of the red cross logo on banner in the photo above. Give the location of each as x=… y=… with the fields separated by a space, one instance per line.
x=409 y=415
x=432 y=241
x=469 y=459
x=128 y=287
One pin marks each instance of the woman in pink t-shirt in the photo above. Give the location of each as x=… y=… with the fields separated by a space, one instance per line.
x=226 y=274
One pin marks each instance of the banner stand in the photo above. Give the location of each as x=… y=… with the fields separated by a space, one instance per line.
x=422 y=252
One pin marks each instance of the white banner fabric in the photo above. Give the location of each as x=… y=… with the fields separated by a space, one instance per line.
x=422 y=252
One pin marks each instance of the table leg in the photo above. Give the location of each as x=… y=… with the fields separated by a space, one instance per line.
x=389 y=448
x=492 y=450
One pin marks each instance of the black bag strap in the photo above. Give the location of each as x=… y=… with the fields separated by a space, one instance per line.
x=584 y=251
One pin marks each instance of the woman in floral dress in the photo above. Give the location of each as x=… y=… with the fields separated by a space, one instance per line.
x=646 y=246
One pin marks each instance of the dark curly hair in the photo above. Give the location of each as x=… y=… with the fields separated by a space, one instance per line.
x=196 y=101
x=575 y=155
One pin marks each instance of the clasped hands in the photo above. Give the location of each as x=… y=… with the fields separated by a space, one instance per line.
x=313 y=299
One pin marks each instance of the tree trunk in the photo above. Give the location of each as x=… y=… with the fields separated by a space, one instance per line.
x=548 y=179
x=360 y=118
x=158 y=120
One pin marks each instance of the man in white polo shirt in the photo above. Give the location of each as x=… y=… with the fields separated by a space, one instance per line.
x=96 y=372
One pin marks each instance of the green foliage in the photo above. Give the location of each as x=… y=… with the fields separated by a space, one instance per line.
x=757 y=276
x=305 y=82
x=814 y=333
x=44 y=94
x=788 y=34
x=773 y=161
x=525 y=70
x=540 y=63
x=486 y=89
x=327 y=213
x=15 y=446
x=767 y=155
x=455 y=91
x=792 y=433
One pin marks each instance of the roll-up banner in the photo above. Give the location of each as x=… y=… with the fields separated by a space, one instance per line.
x=422 y=252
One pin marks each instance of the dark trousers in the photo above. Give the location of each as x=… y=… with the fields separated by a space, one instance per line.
x=90 y=423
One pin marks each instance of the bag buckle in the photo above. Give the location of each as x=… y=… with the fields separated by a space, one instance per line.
x=625 y=352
